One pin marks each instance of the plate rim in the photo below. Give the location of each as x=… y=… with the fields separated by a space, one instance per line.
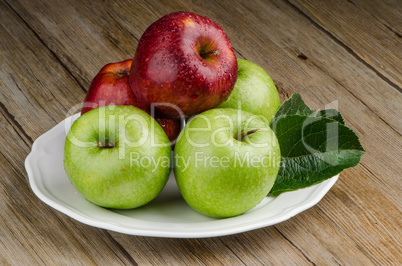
x=37 y=186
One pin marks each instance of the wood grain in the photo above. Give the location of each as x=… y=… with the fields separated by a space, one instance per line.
x=344 y=55
x=374 y=43
x=30 y=230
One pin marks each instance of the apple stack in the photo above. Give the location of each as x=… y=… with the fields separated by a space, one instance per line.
x=118 y=153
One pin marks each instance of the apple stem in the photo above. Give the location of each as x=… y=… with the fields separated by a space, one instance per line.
x=106 y=145
x=122 y=74
x=214 y=52
x=247 y=133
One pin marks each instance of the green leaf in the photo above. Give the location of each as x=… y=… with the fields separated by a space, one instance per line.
x=315 y=145
x=293 y=106
x=329 y=113
x=296 y=106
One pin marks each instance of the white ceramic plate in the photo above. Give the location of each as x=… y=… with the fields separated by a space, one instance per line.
x=168 y=215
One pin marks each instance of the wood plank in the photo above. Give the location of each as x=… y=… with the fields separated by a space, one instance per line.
x=340 y=85
x=386 y=12
x=348 y=98
x=174 y=252
x=298 y=56
x=361 y=106
x=312 y=227
x=258 y=247
x=33 y=233
x=231 y=256
x=35 y=88
x=84 y=38
x=375 y=43
x=330 y=76
x=371 y=217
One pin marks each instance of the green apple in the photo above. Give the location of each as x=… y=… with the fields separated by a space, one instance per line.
x=226 y=161
x=254 y=91
x=117 y=157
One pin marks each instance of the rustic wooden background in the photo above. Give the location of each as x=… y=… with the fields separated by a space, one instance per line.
x=342 y=54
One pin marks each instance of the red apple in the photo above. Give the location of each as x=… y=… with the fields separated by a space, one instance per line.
x=171 y=128
x=185 y=63
x=110 y=87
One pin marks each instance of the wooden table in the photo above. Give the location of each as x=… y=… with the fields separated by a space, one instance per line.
x=342 y=54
